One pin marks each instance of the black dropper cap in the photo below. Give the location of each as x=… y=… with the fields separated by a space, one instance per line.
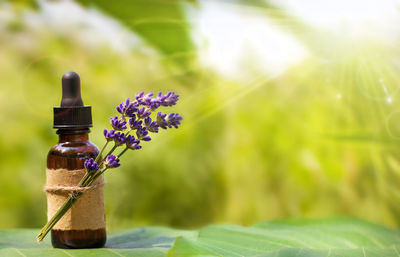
x=72 y=113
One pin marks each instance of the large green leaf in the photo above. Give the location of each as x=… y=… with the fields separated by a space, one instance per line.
x=345 y=237
x=161 y=23
x=150 y=241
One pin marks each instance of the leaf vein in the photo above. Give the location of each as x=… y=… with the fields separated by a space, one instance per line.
x=395 y=249
x=273 y=242
x=219 y=248
x=19 y=252
x=329 y=252
x=115 y=252
x=64 y=251
x=238 y=246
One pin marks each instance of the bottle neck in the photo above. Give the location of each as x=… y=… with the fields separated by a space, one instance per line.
x=73 y=135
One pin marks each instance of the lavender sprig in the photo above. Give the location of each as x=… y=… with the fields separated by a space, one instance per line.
x=161 y=120
x=151 y=125
x=91 y=165
x=168 y=121
x=127 y=108
x=173 y=120
x=133 y=143
x=143 y=113
x=118 y=124
x=169 y=99
x=109 y=135
x=139 y=113
x=119 y=138
x=135 y=123
x=142 y=134
x=111 y=161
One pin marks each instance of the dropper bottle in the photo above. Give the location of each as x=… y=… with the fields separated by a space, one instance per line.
x=83 y=226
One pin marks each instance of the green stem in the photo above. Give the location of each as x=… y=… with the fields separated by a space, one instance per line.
x=87 y=175
x=64 y=208
x=98 y=158
x=84 y=179
x=123 y=151
x=58 y=215
x=111 y=151
x=98 y=174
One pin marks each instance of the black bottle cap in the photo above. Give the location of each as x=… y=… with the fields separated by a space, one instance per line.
x=72 y=113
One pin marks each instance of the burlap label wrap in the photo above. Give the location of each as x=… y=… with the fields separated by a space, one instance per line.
x=86 y=213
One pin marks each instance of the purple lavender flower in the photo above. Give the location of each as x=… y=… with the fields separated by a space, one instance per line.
x=154 y=104
x=135 y=123
x=118 y=124
x=147 y=97
x=132 y=143
x=143 y=113
x=111 y=161
x=151 y=125
x=109 y=135
x=151 y=102
x=161 y=122
x=140 y=118
x=127 y=108
x=119 y=138
x=161 y=97
x=169 y=99
x=143 y=99
x=139 y=96
x=173 y=120
x=148 y=100
x=142 y=134
x=91 y=165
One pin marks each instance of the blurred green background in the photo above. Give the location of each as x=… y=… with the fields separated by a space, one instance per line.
x=291 y=108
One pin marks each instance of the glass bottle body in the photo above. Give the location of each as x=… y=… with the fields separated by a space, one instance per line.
x=70 y=153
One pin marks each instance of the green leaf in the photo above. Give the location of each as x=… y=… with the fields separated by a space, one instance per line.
x=344 y=237
x=160 y=23
x=149 y=241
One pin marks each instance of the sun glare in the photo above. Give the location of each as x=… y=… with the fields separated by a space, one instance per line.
x=356 y=17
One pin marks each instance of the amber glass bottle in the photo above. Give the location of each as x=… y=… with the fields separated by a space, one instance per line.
x=72 y=149
x=83 y=226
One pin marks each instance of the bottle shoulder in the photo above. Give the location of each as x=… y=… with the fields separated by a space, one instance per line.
x=71 y=155
x=80 y=148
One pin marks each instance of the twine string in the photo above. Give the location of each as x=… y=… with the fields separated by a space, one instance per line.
x=71 y=189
